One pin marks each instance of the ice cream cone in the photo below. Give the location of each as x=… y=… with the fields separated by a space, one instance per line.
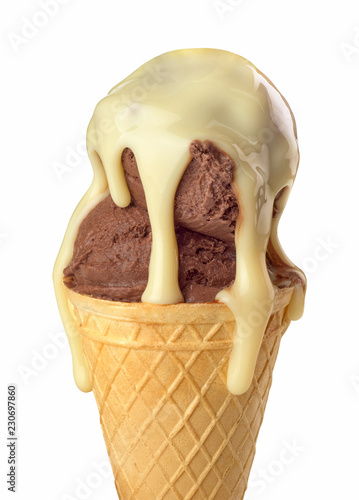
x=172 y=429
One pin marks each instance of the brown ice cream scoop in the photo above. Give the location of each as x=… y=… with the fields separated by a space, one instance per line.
x=113 y=245
x=205 y=201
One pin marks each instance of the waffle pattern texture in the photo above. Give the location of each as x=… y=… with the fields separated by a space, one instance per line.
x=172 y=429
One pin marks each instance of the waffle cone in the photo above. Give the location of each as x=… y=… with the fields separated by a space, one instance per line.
x=172 y=429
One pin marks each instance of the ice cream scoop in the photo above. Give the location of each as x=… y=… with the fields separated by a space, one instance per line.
x=113 y=245
x=157 y=112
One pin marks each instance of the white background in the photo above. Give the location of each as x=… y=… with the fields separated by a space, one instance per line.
x=51 y=82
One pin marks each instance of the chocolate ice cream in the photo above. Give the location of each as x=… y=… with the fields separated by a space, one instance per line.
x=112 y=249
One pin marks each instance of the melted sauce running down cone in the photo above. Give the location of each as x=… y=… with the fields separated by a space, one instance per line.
x=157 y=112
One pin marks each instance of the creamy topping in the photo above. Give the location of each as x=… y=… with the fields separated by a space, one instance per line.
x=178 y=97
